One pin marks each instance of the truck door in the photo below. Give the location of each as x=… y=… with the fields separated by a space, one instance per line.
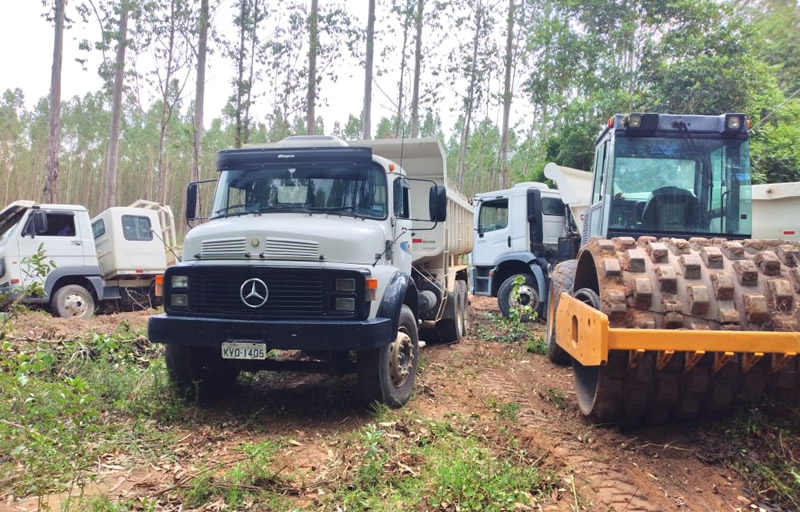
x=402 y=253
x=61 y=243
x=593 y=217
x=494 y=233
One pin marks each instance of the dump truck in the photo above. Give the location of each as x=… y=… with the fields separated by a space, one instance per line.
x=517 y=233
x=319 y=255
x=670 y=308
x=111 y=260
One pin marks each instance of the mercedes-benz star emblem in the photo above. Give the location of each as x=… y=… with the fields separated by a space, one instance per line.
x=254 y=292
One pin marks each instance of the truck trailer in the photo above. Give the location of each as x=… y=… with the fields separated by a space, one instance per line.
x=319 y=255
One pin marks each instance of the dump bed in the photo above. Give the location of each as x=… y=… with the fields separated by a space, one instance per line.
x=575 y=187
x=776 y=210
x=425 y=159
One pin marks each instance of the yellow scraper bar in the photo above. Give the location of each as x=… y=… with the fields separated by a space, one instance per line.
x=584 y=333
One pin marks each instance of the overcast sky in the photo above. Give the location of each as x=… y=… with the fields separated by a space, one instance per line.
x=26 y=39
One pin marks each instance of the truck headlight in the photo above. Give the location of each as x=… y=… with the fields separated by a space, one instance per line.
x=179 y=300
x=345 y=304
x=346 y=285
x=179 y=282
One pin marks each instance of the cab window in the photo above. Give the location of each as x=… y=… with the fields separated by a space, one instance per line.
x=552 y=206
x=98 y=228
x=136 y=228
x=400 y=198
x=493 y=216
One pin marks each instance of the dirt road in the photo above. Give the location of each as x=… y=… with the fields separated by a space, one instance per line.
x=316 y=422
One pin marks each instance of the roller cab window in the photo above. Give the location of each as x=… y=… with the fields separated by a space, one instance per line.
x=680 y=186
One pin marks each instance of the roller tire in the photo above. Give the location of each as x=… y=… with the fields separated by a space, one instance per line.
x=560 y=281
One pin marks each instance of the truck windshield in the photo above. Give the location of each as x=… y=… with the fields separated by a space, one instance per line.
x=681 y=185
x=359 y=192
x=9 y=220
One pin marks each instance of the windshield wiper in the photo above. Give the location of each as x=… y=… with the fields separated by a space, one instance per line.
x=339 y=210
x=243 y=212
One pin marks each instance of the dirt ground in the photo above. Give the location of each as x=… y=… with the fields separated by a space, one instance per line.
x=601 y=468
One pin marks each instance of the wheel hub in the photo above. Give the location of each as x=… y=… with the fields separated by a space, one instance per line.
x=75 y=305
x=401 y=358
x=527 y=297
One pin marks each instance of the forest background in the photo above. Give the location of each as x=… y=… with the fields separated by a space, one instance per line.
x=507 y=85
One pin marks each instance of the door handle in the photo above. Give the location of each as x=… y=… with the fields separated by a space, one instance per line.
x=75 y=242
x=509 y=241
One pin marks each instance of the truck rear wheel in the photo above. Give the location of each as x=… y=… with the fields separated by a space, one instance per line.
x=451 y=327
x=188 y=366
x=560 y=281
x=72 y=301
x=387 y=374
x=464 y=307
x=528 y=296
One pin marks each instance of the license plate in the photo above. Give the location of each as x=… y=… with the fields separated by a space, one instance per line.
x=240 y=350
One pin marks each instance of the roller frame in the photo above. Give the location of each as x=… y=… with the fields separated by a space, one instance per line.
x=587 y=337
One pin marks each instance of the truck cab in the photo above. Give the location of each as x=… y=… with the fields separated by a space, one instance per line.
x=517 y=233
x=317 y=247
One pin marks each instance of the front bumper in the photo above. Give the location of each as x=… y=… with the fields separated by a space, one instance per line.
x=336 y=335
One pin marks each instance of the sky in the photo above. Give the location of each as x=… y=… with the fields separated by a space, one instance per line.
x=27 y=42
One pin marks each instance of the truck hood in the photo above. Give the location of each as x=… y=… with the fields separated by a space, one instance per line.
x=287 y=237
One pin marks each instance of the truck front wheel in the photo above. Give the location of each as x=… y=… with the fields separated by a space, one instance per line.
x=201 y=366
x=72 y=301
x=527 y=296
x=387 y=374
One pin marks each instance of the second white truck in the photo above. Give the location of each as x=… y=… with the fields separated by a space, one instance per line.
x=111 y=259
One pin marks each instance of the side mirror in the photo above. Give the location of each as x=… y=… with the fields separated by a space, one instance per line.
x=535 y=215
x=437 y=203
x=191 y=202
x=39 y=222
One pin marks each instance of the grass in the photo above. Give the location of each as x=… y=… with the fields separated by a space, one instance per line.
x=556 y=397
x=764 y=449
x=501 y=329
x=536 y=345
x=65 y=404
x=415 y=464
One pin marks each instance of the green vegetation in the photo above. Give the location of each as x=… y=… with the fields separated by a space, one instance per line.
x=764 y=449
x=410 y=463
x=64 y=404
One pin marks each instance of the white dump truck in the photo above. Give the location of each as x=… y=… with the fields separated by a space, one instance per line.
x=111 y=259
x=322 y=248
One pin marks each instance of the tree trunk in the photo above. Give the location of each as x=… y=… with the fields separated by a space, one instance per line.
x=166 y=111
x=417 y=71
x=507 y=97
x=462 y=150
x=366 y=110
x=402 y=75
x=253 y=43
x=110 y=189
x=243 y=28
x=312 y=67
x=51 y=180
x=200 y=90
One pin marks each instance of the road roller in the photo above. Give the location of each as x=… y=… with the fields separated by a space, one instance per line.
x=670 y=309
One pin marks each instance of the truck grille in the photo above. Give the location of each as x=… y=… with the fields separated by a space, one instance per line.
x=293 y=293
x=287 y=249
x=223 y=247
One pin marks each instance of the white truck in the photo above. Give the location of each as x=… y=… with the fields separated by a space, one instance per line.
x=528 y=228
x=520 y=231
x=112 y=258
x=324 y=249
